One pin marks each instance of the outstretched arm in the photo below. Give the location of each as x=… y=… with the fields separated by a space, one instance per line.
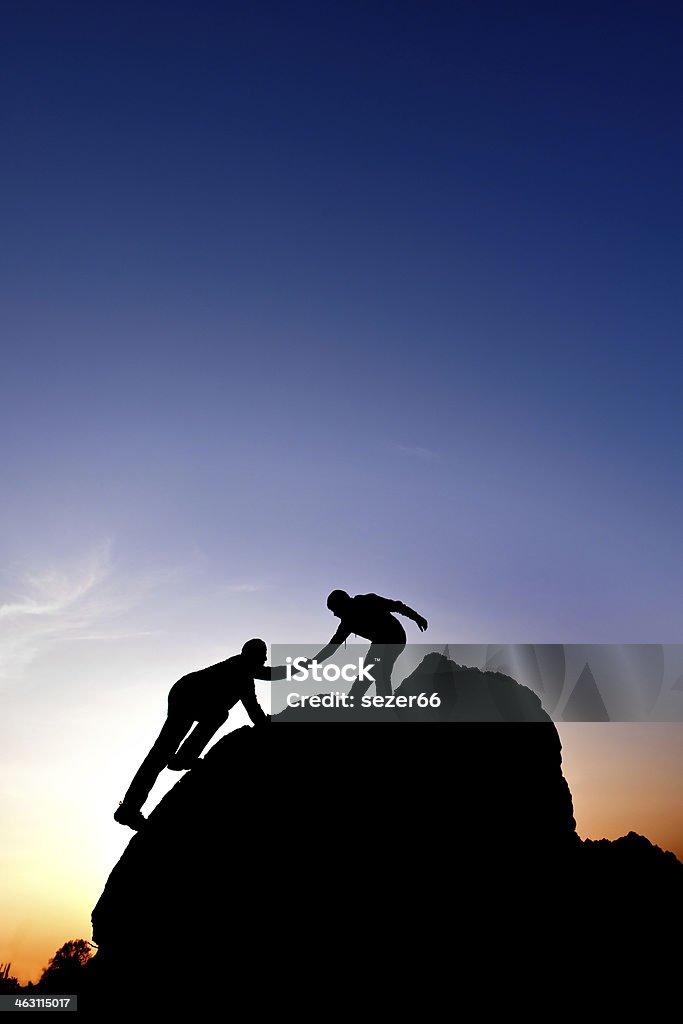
x=274 y=672
x=253 y=708
x=327 y=652
x=403 y=609
x=335 y=643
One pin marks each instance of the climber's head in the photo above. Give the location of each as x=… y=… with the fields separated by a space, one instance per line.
x=255 y=653
x=338 y=602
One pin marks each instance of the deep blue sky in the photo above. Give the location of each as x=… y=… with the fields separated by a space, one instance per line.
x=372 y=295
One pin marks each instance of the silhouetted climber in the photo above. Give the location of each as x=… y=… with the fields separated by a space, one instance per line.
x=204 y=697
x=369 y=616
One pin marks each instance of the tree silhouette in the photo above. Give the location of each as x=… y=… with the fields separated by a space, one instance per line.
x=64 y=968
x=7 y=983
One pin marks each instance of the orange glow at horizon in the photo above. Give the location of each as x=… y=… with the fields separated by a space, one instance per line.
x=626 y=777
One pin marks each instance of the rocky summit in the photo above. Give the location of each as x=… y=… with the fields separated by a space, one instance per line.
x=309 y=842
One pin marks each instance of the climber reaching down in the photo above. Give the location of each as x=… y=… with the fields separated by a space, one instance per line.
x=371 y=617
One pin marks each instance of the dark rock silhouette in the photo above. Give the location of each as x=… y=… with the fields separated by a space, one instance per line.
x=631 y=854
x=470 y=695
x=542 y=665
x=297 y=850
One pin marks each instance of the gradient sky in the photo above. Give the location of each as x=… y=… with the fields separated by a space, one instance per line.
x=300 y=296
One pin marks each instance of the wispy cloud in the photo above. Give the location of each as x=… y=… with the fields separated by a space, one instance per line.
x=76 y=599
x=55 y=591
